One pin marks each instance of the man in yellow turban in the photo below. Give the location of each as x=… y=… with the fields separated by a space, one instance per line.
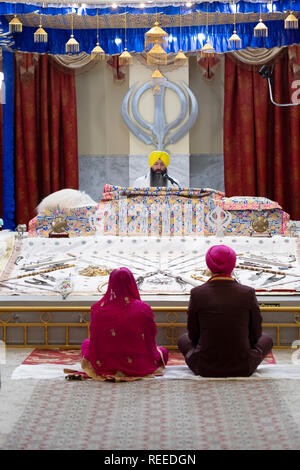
x=158 y=174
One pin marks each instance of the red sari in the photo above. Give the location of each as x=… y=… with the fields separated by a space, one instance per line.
x=122 y=343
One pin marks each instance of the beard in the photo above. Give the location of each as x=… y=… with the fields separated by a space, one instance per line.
x=157 y=178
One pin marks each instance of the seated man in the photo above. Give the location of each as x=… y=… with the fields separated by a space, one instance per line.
x=224 y=337
x=158 y=174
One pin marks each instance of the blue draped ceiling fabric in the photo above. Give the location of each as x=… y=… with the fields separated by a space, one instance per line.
x=187 y=26
x=56 y=18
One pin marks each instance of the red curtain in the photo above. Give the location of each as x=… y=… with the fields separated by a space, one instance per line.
x=261 y=140
x=46 y=151
x=118 y=71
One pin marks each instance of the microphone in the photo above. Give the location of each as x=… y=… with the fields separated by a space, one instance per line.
x=167 y=177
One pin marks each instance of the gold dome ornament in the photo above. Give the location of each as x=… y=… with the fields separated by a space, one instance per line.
x=234 y=41
x=15 y=25
x=181 y=58
x=157 y=79
x=207 y=50
x=260 y=30
x=72 y=46
x=291 y=22
x=97 y=53
x=156 y=36
x=40 y=35
x=157 y=55
x=125 y=58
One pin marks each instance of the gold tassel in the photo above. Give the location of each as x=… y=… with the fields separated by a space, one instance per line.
x=155 y=35
x=15 y=25
x=291 y=22
x=157 y=75
x=157 y=55
x=181 y=58
x=156 y=90
x=72 y=46
x=125 y=58
x=260 y=30
x=40 y=35
x=234 y=41
x=157 y=79
x=98 y=53
x=207 y=50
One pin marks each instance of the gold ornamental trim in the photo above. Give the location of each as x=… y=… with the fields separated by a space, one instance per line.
x=172 y=326
x=142 y=21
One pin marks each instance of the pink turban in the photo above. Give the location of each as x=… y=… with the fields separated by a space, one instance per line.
x=221 y=259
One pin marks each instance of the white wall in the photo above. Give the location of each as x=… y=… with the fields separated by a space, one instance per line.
x=206 y=136
x=101 y=130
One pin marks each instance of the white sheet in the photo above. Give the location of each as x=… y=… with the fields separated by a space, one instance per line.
x=56 y=371
x=172 y=256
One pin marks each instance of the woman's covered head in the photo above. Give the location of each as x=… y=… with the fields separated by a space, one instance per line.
x=121 y=285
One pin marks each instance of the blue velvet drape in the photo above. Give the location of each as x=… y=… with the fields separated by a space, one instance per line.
x=8 y=143
x=192 y=38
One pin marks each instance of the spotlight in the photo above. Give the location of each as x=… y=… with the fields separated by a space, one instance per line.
x=266 y=71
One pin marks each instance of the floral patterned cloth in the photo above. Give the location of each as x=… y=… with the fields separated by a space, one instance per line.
x=164 y=211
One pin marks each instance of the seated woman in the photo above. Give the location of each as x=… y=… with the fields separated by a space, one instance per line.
x=122 y=343
x=224 y=326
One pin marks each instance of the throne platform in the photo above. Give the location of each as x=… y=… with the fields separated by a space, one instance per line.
x=48 y=284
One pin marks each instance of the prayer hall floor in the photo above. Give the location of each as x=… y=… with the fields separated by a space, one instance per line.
x=221 y=412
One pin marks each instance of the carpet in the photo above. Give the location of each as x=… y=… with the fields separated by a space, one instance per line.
x=164 y=415
x=72 y=356
x=57 y=364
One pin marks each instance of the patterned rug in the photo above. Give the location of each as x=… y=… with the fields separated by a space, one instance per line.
x=161 y=415
x=72 y=356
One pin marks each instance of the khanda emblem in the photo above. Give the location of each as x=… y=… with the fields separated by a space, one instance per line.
x=160 y=133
